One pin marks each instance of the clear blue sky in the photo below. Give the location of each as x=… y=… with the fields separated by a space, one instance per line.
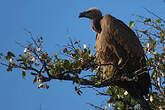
x=55 y=20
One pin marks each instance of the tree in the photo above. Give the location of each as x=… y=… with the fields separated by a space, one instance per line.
x=80 y=65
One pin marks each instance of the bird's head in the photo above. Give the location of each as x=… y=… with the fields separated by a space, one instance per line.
x=92 y=13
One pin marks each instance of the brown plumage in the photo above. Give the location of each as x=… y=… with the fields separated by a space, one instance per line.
x=117 y=44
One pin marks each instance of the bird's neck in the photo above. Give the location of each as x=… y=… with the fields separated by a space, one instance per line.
x=95 y=24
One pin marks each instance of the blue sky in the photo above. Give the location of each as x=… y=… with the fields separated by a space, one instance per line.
x=55 y=20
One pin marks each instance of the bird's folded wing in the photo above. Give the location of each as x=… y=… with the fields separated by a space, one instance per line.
x=121 y=37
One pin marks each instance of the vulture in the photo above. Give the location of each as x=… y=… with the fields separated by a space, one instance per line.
x=120 y=52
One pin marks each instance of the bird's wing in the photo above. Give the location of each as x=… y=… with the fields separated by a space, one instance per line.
x=121 y=37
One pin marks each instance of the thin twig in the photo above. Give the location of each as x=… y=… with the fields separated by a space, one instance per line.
x=154 y=14
x=96 y=107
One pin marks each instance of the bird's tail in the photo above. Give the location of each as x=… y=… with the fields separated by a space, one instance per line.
x=144 y=104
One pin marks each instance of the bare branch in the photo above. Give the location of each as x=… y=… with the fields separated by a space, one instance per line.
x=154 y=14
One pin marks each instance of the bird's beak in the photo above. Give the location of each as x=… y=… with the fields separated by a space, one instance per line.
x=83 y=14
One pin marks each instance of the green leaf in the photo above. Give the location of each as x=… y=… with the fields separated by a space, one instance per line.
x=9 y=68
x=77 y=51
x=157 y=21
x=55 y=55
x=23 y=74
x=98 y=82
x=93 y=78
x=132 y=101
x=154 y=53
x=52 y=71
x=9 y=55
x=120 y=60
x=148 y=63
x=1 y=55
x=147 y=20
x=35 y=80
x=78 y=82
x=162 y=67
x=144 y=31
x=65 y=50
x=109 y=91
x=66 y=64
x=47 y=86
x=76 y=88
x=131 y=23
x=79 y=92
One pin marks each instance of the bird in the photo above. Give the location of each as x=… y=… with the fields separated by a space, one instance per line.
x=120 y=52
